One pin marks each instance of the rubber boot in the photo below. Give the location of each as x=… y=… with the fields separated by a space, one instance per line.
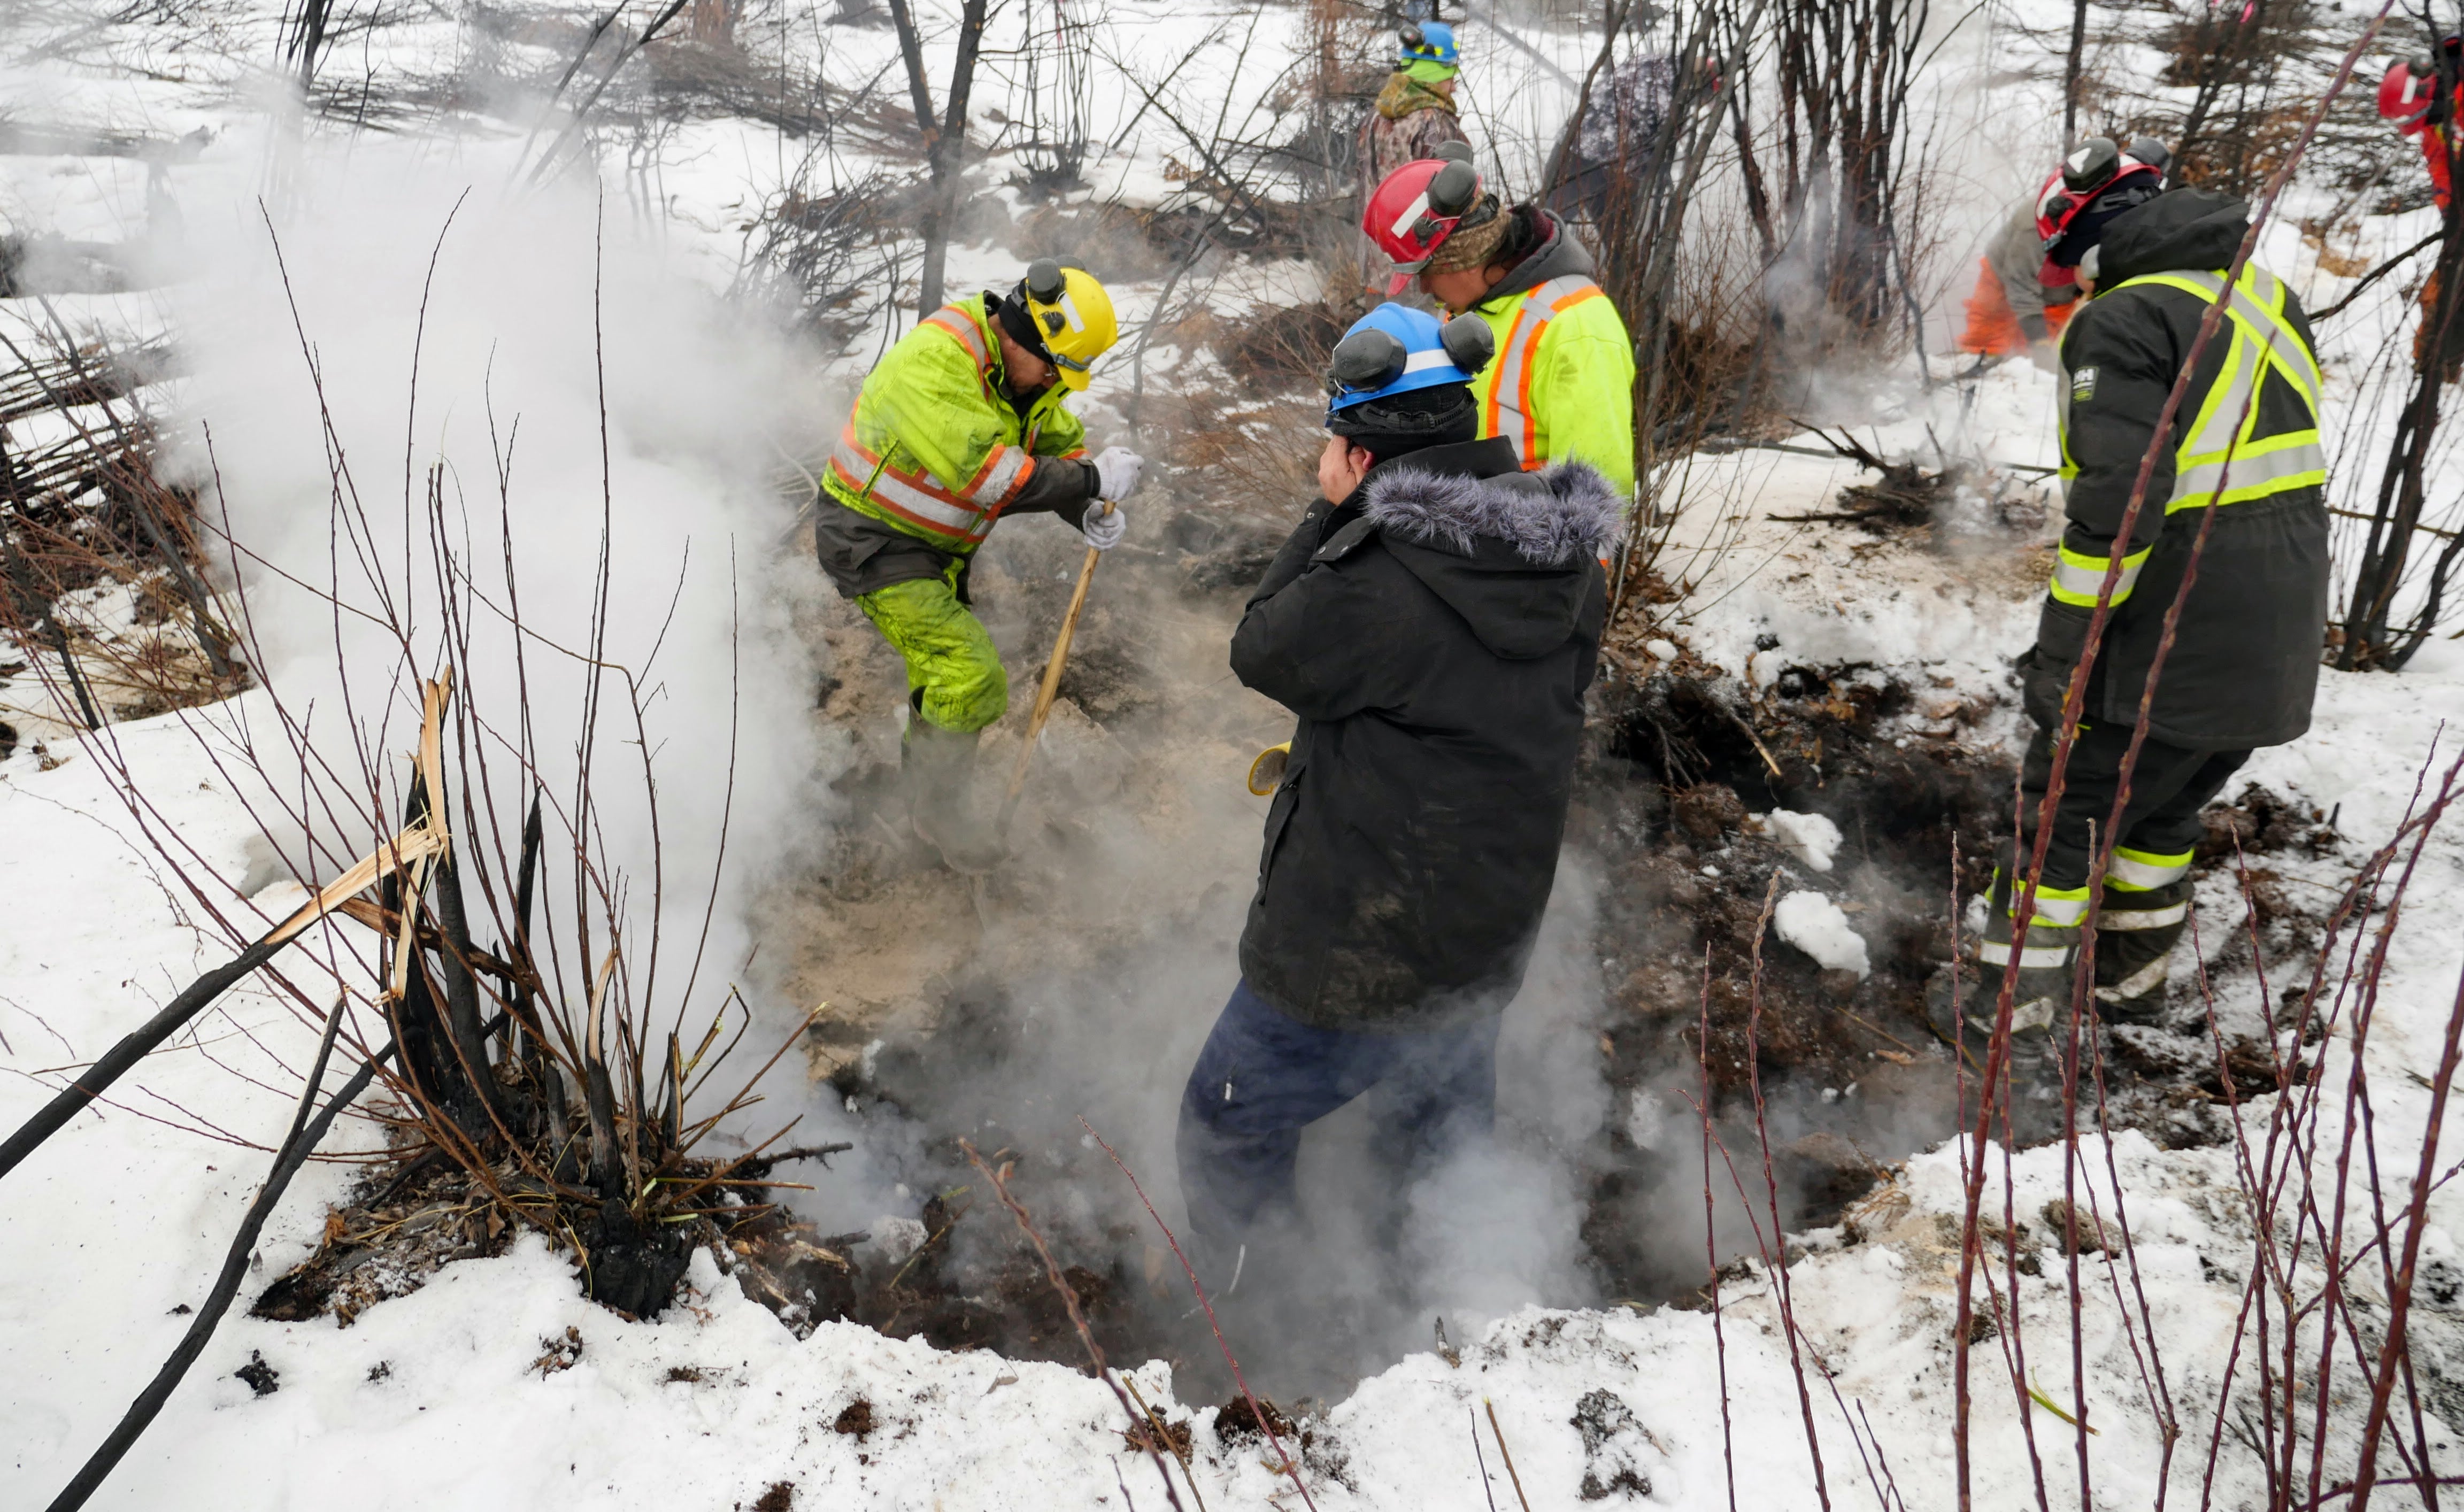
x=2136 y=931
x=943 y=799
x=2037 y=1002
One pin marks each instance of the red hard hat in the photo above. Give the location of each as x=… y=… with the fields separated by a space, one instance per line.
x=2407 y=91
x=2092 y=170
x=1415 y=208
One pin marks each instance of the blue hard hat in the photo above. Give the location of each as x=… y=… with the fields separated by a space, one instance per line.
x=1394 y=349
x=1428 y=42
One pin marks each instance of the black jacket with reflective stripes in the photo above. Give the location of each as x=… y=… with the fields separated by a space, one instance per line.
x=2243 y=449
x=1435 y=634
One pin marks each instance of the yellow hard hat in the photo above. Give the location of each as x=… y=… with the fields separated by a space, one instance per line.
x=1074 y=314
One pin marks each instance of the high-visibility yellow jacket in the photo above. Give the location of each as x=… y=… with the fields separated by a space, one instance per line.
x=1561 y=385
x=932 y=448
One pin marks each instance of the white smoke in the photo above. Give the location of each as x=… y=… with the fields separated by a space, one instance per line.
x=602 y=433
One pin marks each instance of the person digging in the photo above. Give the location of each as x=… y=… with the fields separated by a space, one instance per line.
x=961 y=423
x=2027 y=280
x=1433 y=623
x=2242 y=460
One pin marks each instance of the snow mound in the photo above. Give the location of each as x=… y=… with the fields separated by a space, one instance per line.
x=1815 y=925
x=1814 y=837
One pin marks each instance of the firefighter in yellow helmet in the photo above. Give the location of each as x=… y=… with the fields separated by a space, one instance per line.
x=961 y=423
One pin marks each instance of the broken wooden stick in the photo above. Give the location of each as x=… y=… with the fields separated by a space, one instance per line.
x=413 y=844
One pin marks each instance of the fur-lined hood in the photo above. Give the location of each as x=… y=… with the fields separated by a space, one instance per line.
x=1516 y=555
x=1553 y=518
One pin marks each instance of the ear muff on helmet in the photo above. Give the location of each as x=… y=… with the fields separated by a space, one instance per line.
x=1469 y=342
x=2150 y=151
x=1365 y=361
x=2090 y=164
x=1454 y=189
x=1043 y=281
x=1453 y=152
x=1067 y=314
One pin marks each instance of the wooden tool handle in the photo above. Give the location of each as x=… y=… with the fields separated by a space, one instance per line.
x=1044 y=694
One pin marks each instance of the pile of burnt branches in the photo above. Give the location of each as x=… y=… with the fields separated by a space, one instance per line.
x=103 y=571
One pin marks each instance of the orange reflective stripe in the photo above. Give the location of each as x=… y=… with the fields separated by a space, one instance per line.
x=1528 y=448
x=954 y=323
x=955 y=320
x=1512 y=376
x=910 y=494
x=1509 y=357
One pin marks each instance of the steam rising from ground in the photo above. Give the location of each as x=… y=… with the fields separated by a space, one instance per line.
x=1082 y=980
x=458 y=325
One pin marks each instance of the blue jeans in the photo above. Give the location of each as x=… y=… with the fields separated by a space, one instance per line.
x=1262 y=1077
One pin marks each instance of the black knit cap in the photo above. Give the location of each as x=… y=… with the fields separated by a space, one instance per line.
x=1440 y=415
x=1012 y=312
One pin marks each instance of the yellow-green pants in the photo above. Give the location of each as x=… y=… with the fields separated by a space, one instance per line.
x=952 y=671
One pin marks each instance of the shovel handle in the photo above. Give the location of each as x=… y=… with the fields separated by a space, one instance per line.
x=1060 y=658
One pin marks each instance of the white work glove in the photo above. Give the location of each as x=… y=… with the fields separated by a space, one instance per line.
x=2047 y=356
x=1103 y=531
x=1117 y=472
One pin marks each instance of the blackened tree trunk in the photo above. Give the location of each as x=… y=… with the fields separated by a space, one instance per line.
x=429 y=1056
x=945 y=140
x=2373 y=636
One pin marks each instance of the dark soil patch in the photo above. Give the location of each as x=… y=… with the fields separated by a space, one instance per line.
x=262 y=1378
x=1237 y=1422
x=1677 y=765
x=1174 y=1439
x=855 y=1420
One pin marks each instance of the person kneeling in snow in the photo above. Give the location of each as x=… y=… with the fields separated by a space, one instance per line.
x=2242 y=463
x=1434 y=623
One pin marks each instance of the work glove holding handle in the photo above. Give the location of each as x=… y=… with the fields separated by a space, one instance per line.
x=1117 y=472
x=2045 y=670
x=1104 y=525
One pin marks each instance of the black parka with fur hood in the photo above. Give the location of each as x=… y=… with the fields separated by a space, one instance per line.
x=1435 y=634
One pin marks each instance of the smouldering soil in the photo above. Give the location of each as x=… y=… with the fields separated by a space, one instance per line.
x=998 y=1010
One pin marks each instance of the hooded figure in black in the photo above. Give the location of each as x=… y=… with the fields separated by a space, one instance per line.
x=1433 y=621
x=2241 y=462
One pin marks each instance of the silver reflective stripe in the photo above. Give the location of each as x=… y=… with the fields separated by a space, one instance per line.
x=2142 y=876
x=2055 y=913
x=2084 y=578
x=899 y=494
x=1994 y=953
x=1531 y=318
x=888 y=488
x=2261 y=342
x=2245 y=469
x=2143 y=918
x=999 y=478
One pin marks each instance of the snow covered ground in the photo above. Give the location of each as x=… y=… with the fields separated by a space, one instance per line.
x=445 y=1397
x=472 y=1392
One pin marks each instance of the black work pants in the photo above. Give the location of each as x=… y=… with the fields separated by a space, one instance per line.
x=2167 y=789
